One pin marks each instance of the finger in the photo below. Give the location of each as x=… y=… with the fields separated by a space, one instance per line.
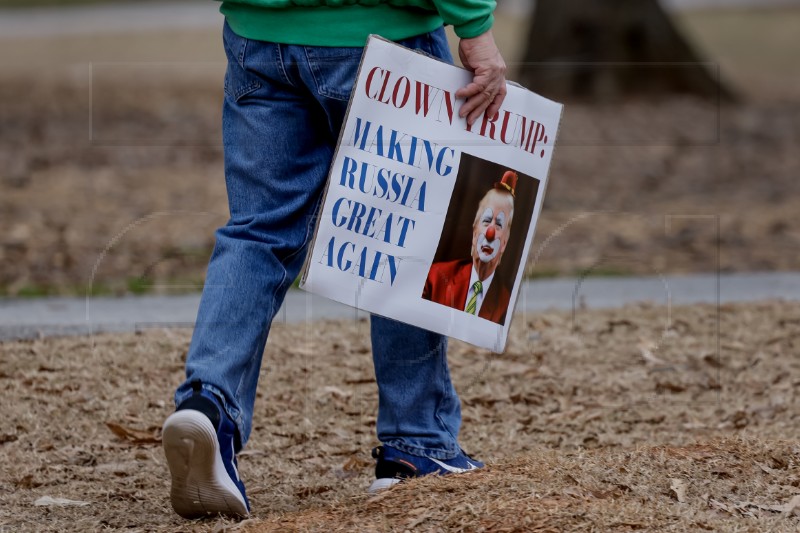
x=478 y=108
x=476 y=114
x=473 y=107
x=486 y=103
x=477 y=95
x=470 y=90
x=494 y=107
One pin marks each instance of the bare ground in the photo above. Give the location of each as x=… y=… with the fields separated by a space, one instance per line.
x=641 y=418
x=640 y=188
x=111 y=176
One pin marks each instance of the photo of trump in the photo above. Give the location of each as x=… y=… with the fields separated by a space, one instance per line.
x=475 y=283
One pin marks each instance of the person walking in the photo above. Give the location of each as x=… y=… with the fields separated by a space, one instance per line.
x=291 y=68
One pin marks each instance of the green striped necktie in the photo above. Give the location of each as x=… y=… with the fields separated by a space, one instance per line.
x=477 y=288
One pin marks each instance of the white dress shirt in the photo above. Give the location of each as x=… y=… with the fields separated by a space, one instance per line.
x=485 y=283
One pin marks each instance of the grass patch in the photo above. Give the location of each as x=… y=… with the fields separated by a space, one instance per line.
x=131 y=286
x=33 y=291
x=605 y=271
x=542 y=273
x=138 y=285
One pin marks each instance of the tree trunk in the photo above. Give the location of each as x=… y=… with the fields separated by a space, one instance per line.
x=603 y=50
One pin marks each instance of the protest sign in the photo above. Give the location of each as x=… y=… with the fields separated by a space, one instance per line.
x=428 y=220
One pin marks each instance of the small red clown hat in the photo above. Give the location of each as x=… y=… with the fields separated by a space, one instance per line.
x=508 y=182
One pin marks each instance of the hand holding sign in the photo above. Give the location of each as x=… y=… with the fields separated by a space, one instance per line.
x=487 y=91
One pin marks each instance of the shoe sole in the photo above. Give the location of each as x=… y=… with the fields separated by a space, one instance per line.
x=200 y=484
x=382 y=484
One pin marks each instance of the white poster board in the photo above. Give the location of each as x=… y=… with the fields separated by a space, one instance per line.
x=419 y=206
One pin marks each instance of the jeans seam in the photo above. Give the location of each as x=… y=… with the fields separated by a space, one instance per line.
x=244 y=376
x=447 y=387
x=429 y=42
x=236 y=93
x=280 y=65
x=309 y=228
x=242 y=51
x=322 y=89
x=246 y=90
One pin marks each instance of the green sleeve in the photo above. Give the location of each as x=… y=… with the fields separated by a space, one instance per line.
x=469 y=18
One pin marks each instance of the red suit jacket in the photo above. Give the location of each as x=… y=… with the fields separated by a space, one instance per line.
x=448 y=284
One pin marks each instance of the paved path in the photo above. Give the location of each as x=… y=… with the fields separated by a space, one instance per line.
x=120 y=17
x=109 y=18
x=81 y=316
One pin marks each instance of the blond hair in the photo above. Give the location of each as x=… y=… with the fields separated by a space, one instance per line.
x=500 y=194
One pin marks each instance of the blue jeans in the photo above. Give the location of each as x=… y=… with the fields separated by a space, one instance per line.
x=283 y=108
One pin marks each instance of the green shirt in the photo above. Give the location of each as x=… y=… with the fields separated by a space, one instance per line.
x=349 y=22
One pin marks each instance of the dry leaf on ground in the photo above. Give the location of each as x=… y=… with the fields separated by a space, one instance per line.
x=48 y=501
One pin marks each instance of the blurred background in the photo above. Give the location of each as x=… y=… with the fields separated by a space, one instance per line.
x=677 y=152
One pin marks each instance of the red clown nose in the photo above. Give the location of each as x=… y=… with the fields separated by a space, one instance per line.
x=490 y=233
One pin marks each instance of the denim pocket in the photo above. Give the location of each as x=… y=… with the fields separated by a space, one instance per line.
x=238 y=81
x=334 y=69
